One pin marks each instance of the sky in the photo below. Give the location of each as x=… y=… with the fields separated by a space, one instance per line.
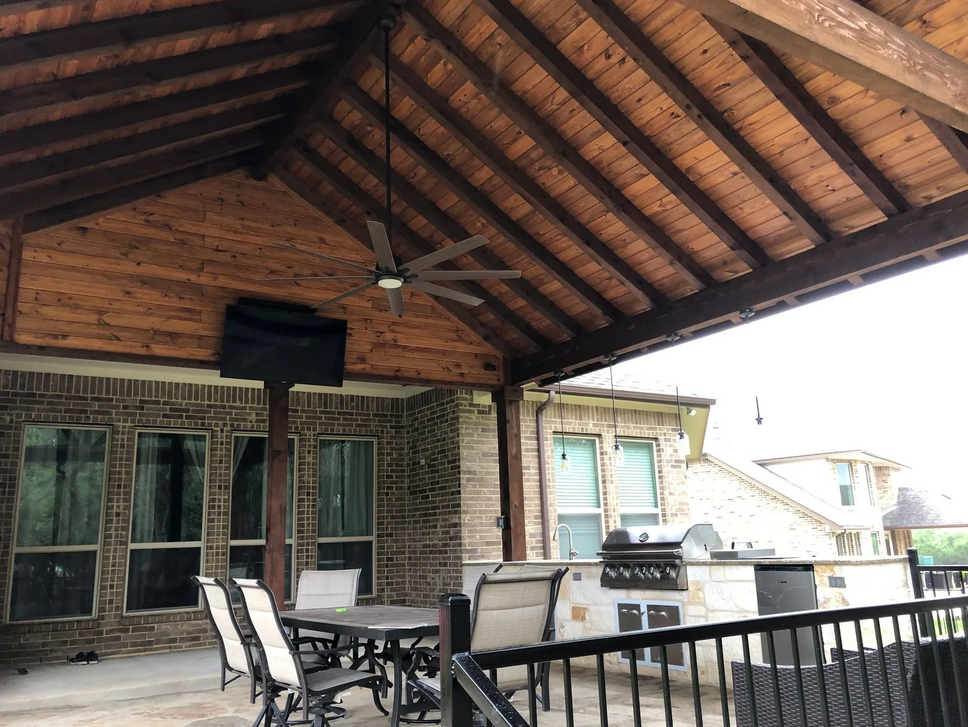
x=883 y=367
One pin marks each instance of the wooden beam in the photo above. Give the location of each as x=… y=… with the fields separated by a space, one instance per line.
x=45 y=170
x=857 y=44
x=517 y=179
x=358 y=232
x=15 y=251
x=362 y=199
x=93 y=127
x=100 y=204
x=896 y=240
x=801 y=104
x=105 y=180
x=616 y=123
x=362 y=155
x=953 y=140
x=713 y=124
x=563 y=154
x=122 y=81
x=479 y=202
x=277 y=466
x=514 y=543
x=351 y=53
x=16 y=7
x=73 y=42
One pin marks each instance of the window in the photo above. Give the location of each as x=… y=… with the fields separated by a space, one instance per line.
x=846 y=481
x=167 y=515
x=578 y=496
x=247 y=524
x=868 y=483
x=848 y=544
x=345 y=508
x=58 y=532
x=875 y=544
x=638 y=498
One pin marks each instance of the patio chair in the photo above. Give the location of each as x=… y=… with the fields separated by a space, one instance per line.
x=326 y=589
x=283 y=665
x=510 y=609
x=237 y=652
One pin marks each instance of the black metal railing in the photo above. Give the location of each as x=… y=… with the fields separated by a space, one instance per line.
x=864 y=666
x=935 y=580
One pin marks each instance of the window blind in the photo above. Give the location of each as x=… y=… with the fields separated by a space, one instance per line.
x=636 y=476
x=577 y=488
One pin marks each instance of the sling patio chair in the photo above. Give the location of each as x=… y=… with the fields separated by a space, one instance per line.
x=326 y=589
x=238 y=652
x=284 y=666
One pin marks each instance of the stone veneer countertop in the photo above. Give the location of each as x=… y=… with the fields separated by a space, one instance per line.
x=781 y=560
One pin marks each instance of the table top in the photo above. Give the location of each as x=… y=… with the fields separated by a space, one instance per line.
x=383 y=623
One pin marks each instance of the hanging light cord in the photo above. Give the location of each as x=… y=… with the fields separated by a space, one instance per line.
x=561 y=417
x=386 y=106
x=679 y=410
x=611 y=381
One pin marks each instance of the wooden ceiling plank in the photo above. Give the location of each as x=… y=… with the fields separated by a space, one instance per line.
x=953 y=140
x=418 y=243
x=481 y=204
x=712 y=123
x=124 y=80
x=857 y=44
x=13 y=265
x=358 y=233
x=354 y=50
x=545 y=135
x=802 y=105
x=100 y=204
x=45 y=170
x=904 y=236
x=90 y=127
x=518 y=180
x=16 y=7
x=350 y=145
x=105 y=180
x=72 y=42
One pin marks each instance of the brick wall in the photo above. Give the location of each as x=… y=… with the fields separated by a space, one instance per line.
x=740 y=510
x=125 y=405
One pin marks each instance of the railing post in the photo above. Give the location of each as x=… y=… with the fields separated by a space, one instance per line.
x=917 y=585
x=456 y=707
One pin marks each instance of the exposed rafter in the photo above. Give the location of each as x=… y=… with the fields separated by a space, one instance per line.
x=890 y=242
x=362 y=155
x=857 y=44
x=953 y=140
x=30 y=50
x=801 y=104
x=481 y=204
x=351 y=53
x=615 y=122
x=12 y=263
x=543 y=134
x=362 y=199
x=448 y=117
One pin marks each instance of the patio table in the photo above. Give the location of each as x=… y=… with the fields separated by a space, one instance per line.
x=389 y=624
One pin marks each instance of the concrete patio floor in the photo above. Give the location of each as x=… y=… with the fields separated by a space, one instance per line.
x=184 y=693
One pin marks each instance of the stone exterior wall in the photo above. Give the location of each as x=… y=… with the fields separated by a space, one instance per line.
x=740 y=510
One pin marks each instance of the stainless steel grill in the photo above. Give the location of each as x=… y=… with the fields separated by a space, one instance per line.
x=651 y=556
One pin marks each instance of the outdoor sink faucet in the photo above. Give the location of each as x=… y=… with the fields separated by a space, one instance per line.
x=572 y=553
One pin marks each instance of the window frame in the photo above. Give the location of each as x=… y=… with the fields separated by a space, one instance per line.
x=867 y=476
x=98 y=548
x=850 y=484
x=148 y=546
x=600 y=511
x=290 y=597
x=657 y=510
x=353 y=538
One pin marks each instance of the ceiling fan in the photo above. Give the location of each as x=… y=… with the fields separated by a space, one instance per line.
x=413 y=274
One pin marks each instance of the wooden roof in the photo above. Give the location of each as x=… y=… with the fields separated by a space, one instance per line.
x=653 y=170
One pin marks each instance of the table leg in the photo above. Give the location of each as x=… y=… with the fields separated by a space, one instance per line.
x=399 y=683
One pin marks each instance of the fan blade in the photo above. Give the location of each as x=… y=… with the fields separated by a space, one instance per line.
x=334 y=260
x=443 y=292
x=325 y=277
x=470 y=275
x=395 y=296
x=381 y=246
x=347 y=294
x=446 y=253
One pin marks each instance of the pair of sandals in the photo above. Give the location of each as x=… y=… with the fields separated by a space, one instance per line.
x=82 y=657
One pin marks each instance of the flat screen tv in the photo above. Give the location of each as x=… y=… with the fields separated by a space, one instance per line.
x=279 y=344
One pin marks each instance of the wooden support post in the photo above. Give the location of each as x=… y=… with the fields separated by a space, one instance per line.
x=13 y=258
x=514 y=543
x=278 y=461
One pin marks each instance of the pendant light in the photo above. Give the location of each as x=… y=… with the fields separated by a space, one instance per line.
x=618 y=453
x=565 y=464
x=684 y=446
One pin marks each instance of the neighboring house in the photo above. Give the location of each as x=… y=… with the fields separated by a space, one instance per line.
x=813 y=505
x=921 y=509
